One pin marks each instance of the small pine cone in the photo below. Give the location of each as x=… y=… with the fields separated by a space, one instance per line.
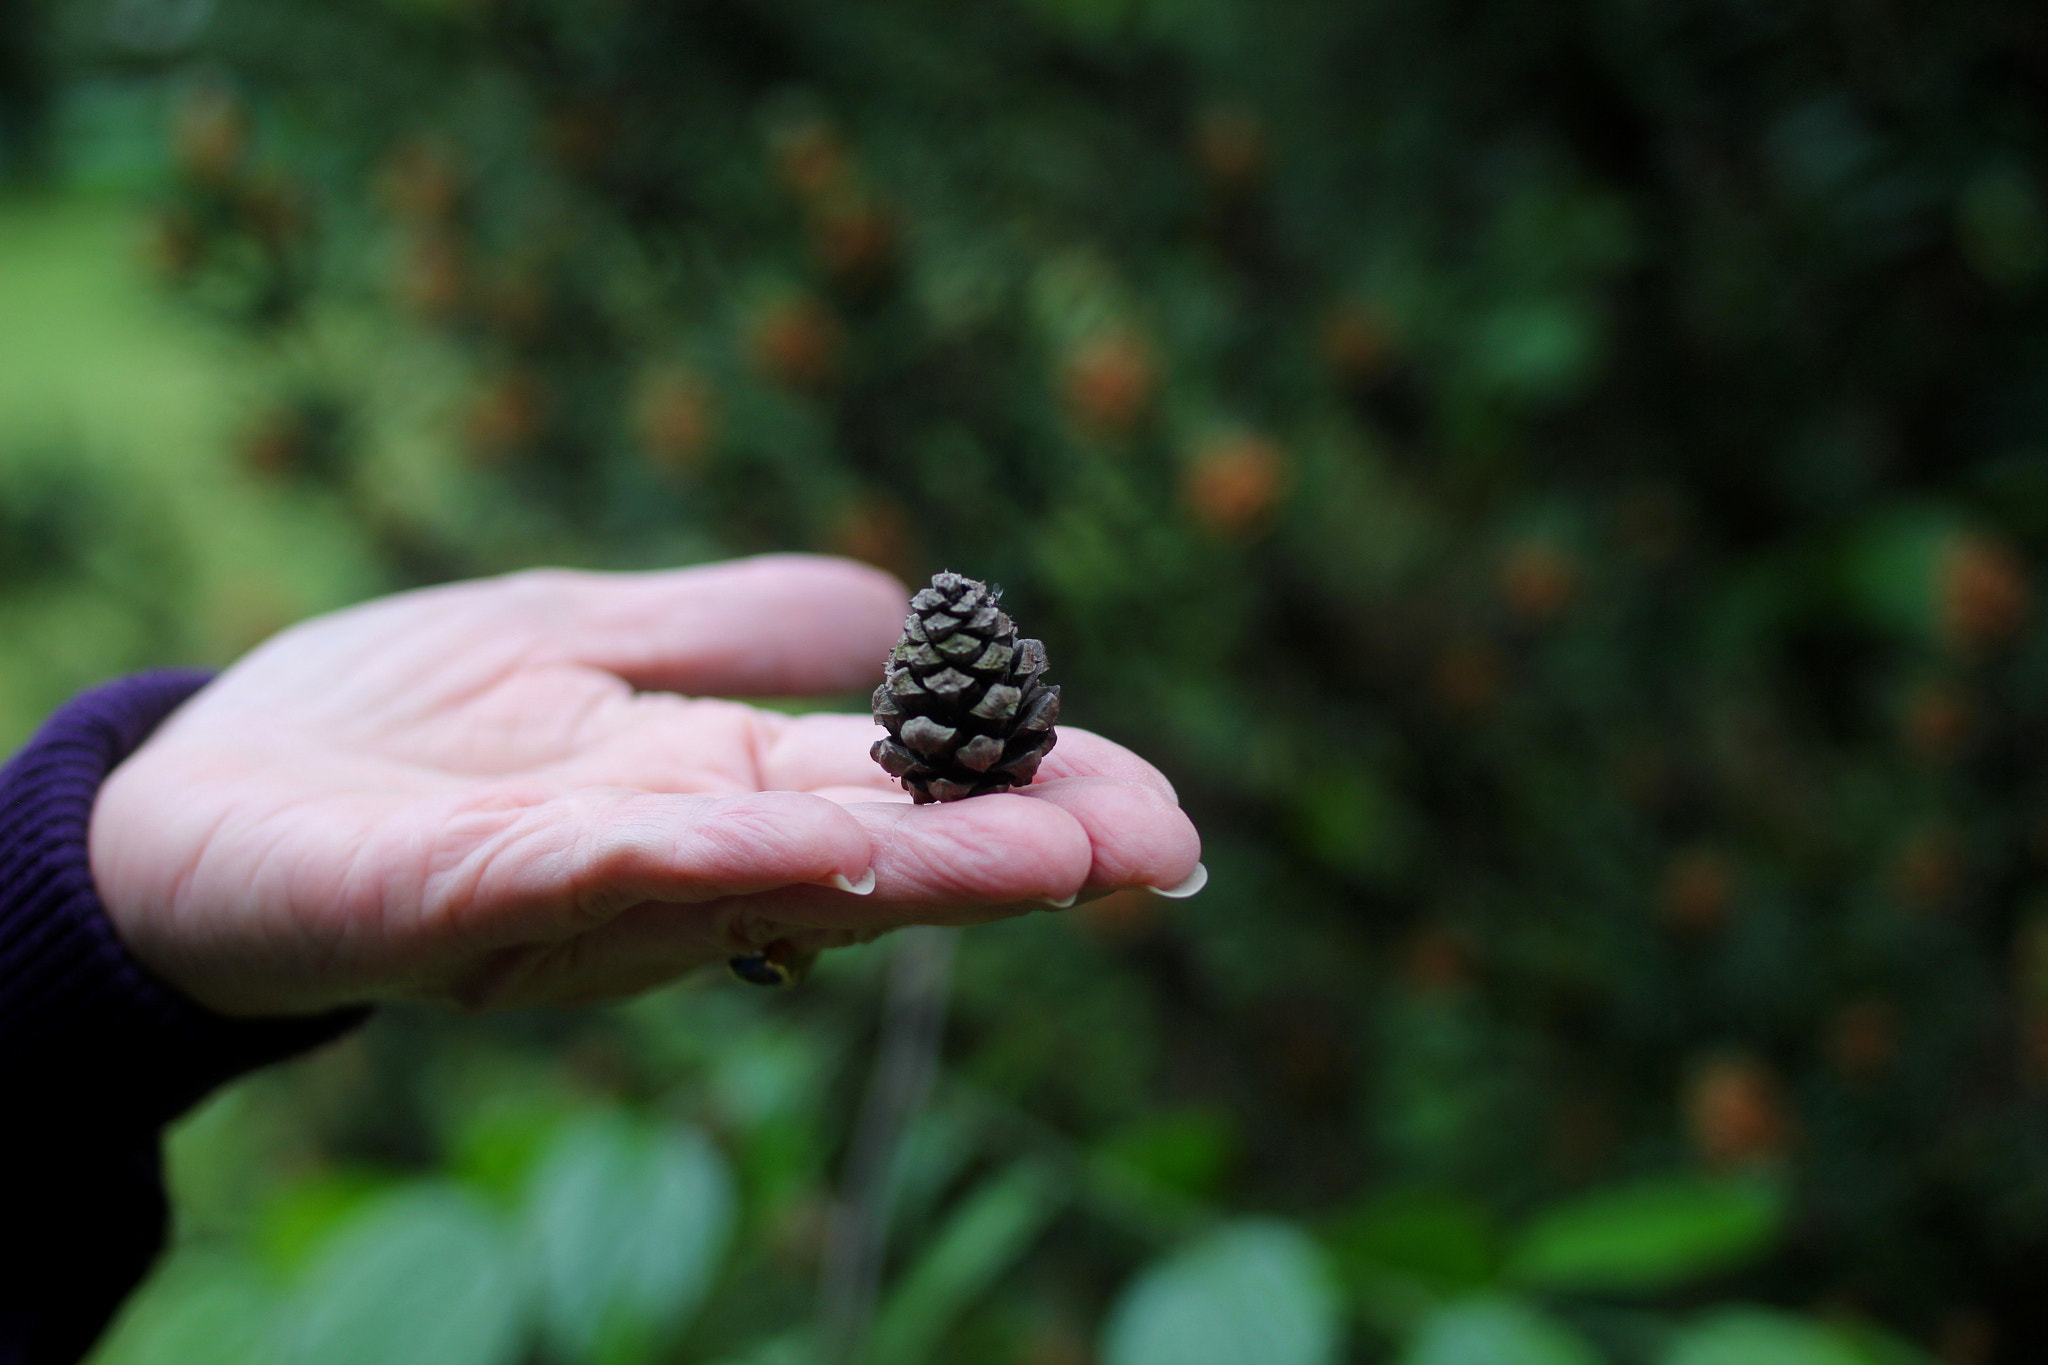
x=961 y=697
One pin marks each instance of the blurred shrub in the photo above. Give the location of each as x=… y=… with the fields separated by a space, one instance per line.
x=1560 y=490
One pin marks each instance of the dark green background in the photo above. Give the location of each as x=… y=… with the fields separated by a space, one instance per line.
x=1557 y=487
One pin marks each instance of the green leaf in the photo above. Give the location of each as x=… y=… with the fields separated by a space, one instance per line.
x=1355 y=821
x=993 y=1227
x=496 y=1116
x=765 y=1076
x=1188 y=1151
x=795 y=1347
x=1749 y=1336
x=626 y=1226
x=936 y=1148
x=1444 y=1240
x=299 y=1219
x=422 y=1276
x=1877 y=1346
x=1405 y=1252
x=2002 y=227
x=1255 y=1292
x=200 y=1306
x=1890 y=569
x=1540 y=349
x=1496 y=1331
x=1649 y=1235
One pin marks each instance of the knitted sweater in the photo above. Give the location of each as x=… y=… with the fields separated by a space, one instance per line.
x=96 y=1055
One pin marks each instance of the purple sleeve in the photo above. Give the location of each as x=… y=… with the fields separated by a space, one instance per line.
x=96 y=1055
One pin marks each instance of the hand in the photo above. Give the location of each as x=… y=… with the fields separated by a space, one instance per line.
x=491 y=793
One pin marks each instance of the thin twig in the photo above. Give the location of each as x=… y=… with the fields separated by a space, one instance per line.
x=907 y=1056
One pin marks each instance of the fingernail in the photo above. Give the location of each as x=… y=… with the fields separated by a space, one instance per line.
x=1062 y=903
x=1197 y=879
x=863 y=887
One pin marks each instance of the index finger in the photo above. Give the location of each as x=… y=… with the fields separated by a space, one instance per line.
x=827 y=751
x=965 y=862
x=1083 y=753
x=773 y=625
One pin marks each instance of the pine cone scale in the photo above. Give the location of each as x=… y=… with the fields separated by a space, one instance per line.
x=961 y=700
x=980 y=753
x=922 y=734
x=999 y=703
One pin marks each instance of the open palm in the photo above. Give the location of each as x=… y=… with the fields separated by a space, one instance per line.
x=516 y=790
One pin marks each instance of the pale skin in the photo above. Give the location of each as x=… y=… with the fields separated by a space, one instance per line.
x=520 y=791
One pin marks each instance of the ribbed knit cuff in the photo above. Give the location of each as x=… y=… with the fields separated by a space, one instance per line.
x=74 y=1005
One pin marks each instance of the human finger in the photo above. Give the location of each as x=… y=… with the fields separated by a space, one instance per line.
x=963 y=862
x=566 y=866
x=825 y=750
x=665 y=742
x=821 y=751
x=1083 y=753
x=1137 y=836
x=644 y=947
x=966 y=862
x=773 y=625
x=956 y=861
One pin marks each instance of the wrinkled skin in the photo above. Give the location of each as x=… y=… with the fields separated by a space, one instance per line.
x=509 y=792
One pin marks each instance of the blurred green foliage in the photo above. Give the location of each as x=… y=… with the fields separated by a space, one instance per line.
x=1559 y=489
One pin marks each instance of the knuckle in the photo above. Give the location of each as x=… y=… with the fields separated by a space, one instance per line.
x=770 y=827
x=538 y=594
